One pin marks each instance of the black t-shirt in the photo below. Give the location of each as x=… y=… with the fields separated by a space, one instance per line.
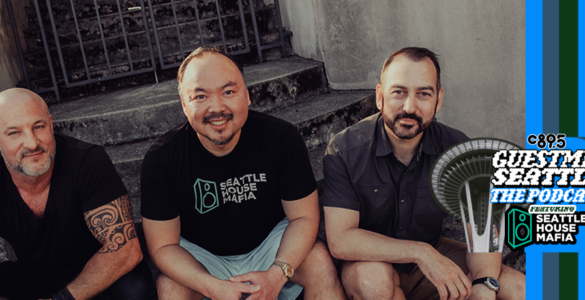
x=228 y=205
x=60 y=243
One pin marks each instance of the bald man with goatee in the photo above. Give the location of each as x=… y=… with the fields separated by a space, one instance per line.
x=65 y=211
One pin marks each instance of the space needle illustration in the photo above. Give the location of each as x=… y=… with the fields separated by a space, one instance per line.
x=460 y=182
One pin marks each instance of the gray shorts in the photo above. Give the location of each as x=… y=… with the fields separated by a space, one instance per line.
x=260 y=259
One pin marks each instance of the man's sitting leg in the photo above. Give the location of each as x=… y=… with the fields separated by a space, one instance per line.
x=134 y=285
x=417 y=286
x=225 y=267
x=19 y=281
x=171 y=290
x=317 y=274
x=370 y=280
x=512 y=282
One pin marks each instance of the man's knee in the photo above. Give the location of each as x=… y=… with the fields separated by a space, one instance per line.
x=369 y=280
x=317 y=264
x=167 y=288
x=319 y=254
x=135 y=285
x=164 y=283
x=513 y=284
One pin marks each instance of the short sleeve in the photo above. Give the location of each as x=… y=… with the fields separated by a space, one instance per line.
x=338 y=190
x=297 y=179
x=97 y=180
x=158 y=200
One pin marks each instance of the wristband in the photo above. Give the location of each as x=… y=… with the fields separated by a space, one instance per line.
x=286 y=268
x=490 y=282
x=62 y=294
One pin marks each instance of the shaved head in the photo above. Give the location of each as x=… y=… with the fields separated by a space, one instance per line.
x=27 y=143
x=11 y=98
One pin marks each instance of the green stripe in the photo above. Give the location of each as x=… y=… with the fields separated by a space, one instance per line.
x=568 y=275
x=568 y=68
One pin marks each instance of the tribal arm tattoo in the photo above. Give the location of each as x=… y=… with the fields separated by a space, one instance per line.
x=112 y=224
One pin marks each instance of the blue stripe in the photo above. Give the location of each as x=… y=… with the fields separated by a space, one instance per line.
x=581 y=69
x=533 y=125
x=533 y=67
x=550 y=276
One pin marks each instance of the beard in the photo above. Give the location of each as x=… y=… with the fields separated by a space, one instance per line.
x=28 y=169
x=407 y=132
x=221 y=141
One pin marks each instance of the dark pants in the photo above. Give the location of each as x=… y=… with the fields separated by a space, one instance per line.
x=17 y=281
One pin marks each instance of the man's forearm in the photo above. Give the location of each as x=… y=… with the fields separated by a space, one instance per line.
x=297 y=240
x=349 y=242
x=356 y=244
x=112 y=225
x=483 y=264
x=103 y=269
x=362 y=245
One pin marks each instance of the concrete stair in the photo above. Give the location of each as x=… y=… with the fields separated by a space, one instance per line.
x=128 y=121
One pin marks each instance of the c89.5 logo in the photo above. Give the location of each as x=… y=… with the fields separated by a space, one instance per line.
x=554 y=141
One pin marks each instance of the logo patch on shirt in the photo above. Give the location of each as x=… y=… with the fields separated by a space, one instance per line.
x=242 y=188
x=206 y=197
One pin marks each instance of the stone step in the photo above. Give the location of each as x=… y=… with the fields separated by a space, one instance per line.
x=317 y=119
x=148 y=111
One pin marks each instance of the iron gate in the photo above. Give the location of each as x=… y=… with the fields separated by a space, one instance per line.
x=105 y=53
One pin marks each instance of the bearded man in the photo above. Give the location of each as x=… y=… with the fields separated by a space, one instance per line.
x=229 y=197
x=65 y=212
x=380 y=217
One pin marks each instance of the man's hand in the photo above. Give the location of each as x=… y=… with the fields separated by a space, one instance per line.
x=271 y=282
x=482 y=292
x=445 y=275
x=232 y=290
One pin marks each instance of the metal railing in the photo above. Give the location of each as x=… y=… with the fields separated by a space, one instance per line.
x=246 y=49
x=111 y=75
x=94 y=69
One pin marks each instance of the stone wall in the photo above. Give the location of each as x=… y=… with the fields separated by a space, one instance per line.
x=481 y=46
x=10 y=72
